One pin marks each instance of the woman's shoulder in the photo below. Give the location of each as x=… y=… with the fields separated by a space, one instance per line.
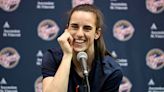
x=54 y=53
x=51 y=61
x=110 y=64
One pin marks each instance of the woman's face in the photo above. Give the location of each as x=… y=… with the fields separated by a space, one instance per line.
x=82 y=27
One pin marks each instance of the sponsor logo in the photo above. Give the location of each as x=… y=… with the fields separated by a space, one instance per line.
x=9 y=57
x=78 y=2
x=38 y=84
x=9 y=5
x=155 y=59
x=123 y=30
x=48 y=29
x=155 y=6
x=126 y=85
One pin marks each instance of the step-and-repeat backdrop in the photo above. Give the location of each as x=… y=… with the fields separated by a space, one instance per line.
x=134 y=33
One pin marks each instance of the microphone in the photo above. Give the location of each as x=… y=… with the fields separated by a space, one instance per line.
x=82 y=58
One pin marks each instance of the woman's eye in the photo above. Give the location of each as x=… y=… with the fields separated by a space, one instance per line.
x=74 y=26
x=87 y=28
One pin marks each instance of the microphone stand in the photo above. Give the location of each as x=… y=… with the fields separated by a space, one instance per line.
x=82 y=57
x=86 y=85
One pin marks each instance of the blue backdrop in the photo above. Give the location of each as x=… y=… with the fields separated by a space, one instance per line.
x=134 y=34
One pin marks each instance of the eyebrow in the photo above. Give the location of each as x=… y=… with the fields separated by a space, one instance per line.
x=73 y=24
x=87 y=26
x=84 y=26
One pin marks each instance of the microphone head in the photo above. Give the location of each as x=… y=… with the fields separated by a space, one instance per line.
x=81 y=55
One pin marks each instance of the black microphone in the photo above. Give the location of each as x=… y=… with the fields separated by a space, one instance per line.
x=82 y=58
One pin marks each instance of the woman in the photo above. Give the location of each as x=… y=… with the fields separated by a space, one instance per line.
x=60 y=68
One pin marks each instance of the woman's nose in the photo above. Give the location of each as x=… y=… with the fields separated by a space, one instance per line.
x=80 y=32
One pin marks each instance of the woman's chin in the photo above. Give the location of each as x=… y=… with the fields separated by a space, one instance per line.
x=79 y=49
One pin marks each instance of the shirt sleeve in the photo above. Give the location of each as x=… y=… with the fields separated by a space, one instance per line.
x=50 y=63
x=113 y=82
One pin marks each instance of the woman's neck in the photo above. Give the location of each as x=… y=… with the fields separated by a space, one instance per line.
x=77 y=64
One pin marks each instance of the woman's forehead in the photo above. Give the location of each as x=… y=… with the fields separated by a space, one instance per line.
x=83 y=17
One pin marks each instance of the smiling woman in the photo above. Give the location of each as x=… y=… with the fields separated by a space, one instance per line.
x=60 y=68
x=83 y=30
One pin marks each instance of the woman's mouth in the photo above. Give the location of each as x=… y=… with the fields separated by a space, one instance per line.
x=79 y=42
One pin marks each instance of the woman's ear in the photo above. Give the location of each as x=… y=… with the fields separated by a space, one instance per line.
x=98 y=33
x=66 y=27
